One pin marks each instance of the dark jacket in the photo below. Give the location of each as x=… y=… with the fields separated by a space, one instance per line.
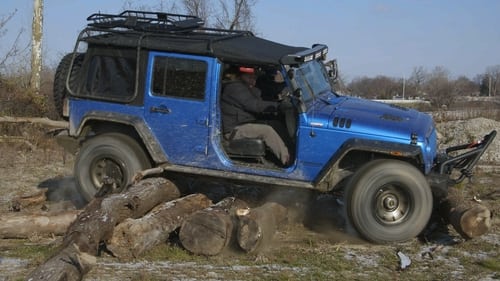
x=241 y=104
x=269 y=88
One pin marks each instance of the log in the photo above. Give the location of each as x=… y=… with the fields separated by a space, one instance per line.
x=26 y=225
x=25 y=201
x=95 y=224
x=35 y=120
x=135 y=236
x=209 y=231
x=69 y=264
x=257 y=226
x=469 y=218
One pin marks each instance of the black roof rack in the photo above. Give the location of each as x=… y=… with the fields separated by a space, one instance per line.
x=146 y=21
x=182 y=34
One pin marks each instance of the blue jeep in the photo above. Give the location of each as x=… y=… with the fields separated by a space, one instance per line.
x=142 y=90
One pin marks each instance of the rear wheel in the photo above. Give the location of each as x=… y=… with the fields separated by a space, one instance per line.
x=388 y=201
x=111 y=156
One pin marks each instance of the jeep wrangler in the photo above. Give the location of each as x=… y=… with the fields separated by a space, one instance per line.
x=142 y=90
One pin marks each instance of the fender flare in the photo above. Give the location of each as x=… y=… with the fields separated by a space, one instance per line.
x=332 y=174
x=149 y=140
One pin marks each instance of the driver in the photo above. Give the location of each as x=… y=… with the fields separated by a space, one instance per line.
x=241 y=103
x=272 y=84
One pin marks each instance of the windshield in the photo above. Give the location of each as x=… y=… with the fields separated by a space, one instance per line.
x=312 y=79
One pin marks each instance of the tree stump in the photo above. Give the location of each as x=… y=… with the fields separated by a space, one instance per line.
x=469 y=218
x=96 y=223
x=135 y=236
x=256 y=227
x=209 y=231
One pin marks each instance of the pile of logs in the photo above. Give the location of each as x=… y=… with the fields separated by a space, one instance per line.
x=132 y=222
x=129 y=223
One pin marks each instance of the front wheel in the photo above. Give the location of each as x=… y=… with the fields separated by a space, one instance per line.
x=111 y=156
x=388 y=201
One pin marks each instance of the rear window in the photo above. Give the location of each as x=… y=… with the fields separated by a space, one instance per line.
x=177 y=77
x=110 y=77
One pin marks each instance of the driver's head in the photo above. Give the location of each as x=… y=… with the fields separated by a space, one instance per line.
x=247 y=75
x=273 y=74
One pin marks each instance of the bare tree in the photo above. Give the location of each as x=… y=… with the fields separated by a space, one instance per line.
x=463 y=86
x=225 y=14
x=170 y=6
x=416 y=81
x=14 y=49
x=359 y=86
x=199 y=8
x=235 y=15
x=491 y=80
x=439 y=88
x=341 y=84
x=36 y=46
x=380 y=87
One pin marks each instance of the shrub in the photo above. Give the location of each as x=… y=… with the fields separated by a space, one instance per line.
x=18 y=99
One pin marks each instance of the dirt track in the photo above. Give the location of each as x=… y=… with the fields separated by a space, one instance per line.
x=315 y=251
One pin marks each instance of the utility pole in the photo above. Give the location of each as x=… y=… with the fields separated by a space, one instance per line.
x=404 y=85
x=489 y=85
x=36 y=46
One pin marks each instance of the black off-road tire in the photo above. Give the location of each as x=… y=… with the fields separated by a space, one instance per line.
x=60 y=93
x=108 y=156
x=388 y=201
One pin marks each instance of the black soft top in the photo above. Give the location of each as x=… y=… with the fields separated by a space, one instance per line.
x=182 y=34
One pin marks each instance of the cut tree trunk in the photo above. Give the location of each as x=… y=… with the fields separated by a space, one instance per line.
x=25 y=201
x=95 y=224
x=469 y=218
x=26 y=225
x=135 y=236
x=256 y=227
x=209 y=231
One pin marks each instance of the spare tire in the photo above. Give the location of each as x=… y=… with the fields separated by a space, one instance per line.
x=60 y=93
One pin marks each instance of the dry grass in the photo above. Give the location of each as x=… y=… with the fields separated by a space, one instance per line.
x=17 y=99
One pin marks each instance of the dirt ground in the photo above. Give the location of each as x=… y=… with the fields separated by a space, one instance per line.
x=315 y=245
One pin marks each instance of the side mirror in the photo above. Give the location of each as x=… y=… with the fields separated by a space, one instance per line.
x=297 y=95
x=332 y=69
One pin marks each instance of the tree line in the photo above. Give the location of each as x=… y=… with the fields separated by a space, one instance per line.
x=436 y=85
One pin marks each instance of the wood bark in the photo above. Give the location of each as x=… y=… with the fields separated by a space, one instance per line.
x=257 y=226
x=469 y=218
x=209 y=231
x=26 y=225
x=135 y=236
x=95 y=224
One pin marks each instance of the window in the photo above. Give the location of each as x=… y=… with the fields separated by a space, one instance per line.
x=111 y=78
x=181 y=78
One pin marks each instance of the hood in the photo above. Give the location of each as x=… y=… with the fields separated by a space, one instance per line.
x=372 y=118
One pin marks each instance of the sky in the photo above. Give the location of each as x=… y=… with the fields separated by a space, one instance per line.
x=367 y=37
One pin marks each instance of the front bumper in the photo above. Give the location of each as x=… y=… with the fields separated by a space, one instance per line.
x=462 y=159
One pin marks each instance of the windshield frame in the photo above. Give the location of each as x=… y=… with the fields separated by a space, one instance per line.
x=312 y=79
